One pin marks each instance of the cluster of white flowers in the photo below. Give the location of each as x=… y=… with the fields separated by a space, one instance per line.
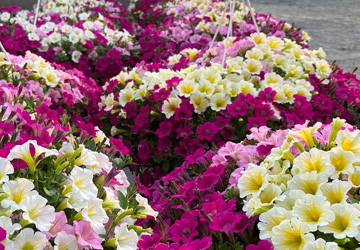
x=81 y=195
x=303 y=188
x=51 y=34
x=214 y=86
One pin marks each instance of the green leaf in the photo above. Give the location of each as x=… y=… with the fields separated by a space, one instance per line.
x=122 y=200
x=166 y=165
x=91 y=145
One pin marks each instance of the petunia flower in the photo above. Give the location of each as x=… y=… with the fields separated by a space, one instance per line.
x=28 y=239
x=183 y=229
x=85 y=236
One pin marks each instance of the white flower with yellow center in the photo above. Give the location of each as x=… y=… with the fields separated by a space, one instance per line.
x=252 y=66
x=88 y=25
x=144 y=203
x=211 y=75
x=55 y=37
x=81 y=181
x=6 y=168
x=282 y=152
x=314 y=210
x=101 y=162
x=258 y=38
x=89 y=35
x=247 y=87
x=342 y=161
x=271 y=219
x=235 y=64
x=291 y=196
x=291 y=235
x=205 y=87
x=275 y=43
x=33 y=37
x=321 y=244
x=174 y=59
x=349 y=141
x=36 y=211
x=95 y=214
x=354 y=178
x=75 y=56
x=7 y=224
x=279 y=174
x=73 y=38
x=302 y=91
x=110 y=102
x=255 y=54
x=336 y=191
x=169 y=106
x=125 y=239
x=271 y=78
x=219 y=101
x=294 y=71
x=110 y=201
x=346 y=222
x=279 y=61
x=264 y=201
x=126 y=95
x=234 y=89
x=186 y=87
x=323 y=68
x=200 y=102
x=253 y=180
x=64 y=241
x=18 y=190
x=27 y=239
x=314 y=160
x=5 y=16
x=86 y=158
x=51 y=78
x=309 y=183
x=66 y=28
x=306 y=134
x=191 y=53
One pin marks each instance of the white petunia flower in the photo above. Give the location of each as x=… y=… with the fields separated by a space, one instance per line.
x=291 y=234
x=65 y=241
x=321 y=244
x=253 y=180
x=271 y=219
x=346 y=221
x=75 y=56
x=95 y=214
x=144 y=203
x=6 y=168
x=125 y=239
x=36 y=211
x=27 y=239
x=18 y=190
x=81 y=181
x=314 y=210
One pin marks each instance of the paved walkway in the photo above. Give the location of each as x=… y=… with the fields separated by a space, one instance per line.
x=333 y=25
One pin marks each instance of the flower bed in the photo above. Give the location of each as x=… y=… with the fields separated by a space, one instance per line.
x=196 y=103
x=82 y=40
x=286 y=189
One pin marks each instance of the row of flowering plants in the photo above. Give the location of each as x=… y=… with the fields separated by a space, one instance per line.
x=87 y=41
x=287 y=189
x=197 y=103
x=170 y=26
x=62 y=183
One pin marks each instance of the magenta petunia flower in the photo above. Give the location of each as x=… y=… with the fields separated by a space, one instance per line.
x=262 y=245
x=200 y=244
x=237 y=108
x=184 y=230
x=130 y=109
x=267 y=95
x=164 y=129
x=225 y=222
x=206 y=131
x=264 y=111
x=149 y=241
x=119 y=146
x=2 y=237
